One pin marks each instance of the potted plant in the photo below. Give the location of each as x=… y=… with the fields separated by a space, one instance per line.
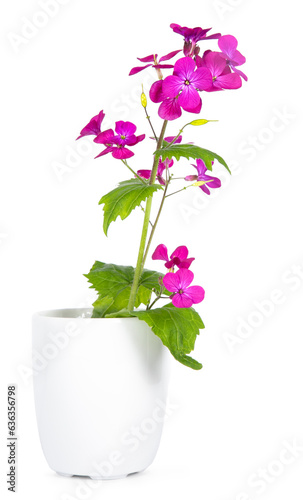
x=100 y=401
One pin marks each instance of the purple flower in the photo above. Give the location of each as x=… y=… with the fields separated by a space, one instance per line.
x=184 y=295
x=192 y=37
x=228 y=45
x=161 y=167
x=214 y=182
x=181 y=89
x=115 y=144
x=178 y=258
x=93 y=127
x=222 y=77
x=152 y=59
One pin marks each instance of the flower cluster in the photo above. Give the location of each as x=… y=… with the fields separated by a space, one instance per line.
x=183 y=295
x=193 y=74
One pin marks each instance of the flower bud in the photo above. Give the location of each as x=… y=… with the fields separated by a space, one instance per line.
x=143 y=99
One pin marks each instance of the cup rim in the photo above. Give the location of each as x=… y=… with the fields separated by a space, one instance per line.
x=73 y=313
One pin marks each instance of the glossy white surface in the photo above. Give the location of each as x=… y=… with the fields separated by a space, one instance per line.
x=100 y=392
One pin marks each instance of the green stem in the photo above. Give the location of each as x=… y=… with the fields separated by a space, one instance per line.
x=179 y=191
x=175 y=138
x=135 y=174
x=151 y=125
x=156 y=300
x=155 y=225
x=138 y=270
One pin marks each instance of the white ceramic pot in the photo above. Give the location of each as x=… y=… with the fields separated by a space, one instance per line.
x=100 y=392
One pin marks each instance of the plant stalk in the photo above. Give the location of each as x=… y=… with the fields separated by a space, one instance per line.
x=154 y=226
x=138 y=270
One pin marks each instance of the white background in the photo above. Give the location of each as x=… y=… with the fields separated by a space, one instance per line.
x=234 y=417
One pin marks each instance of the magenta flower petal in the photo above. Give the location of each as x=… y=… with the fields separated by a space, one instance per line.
x=93 y=127
x=205 y=189
x=170 y=138
x=163 y=66
x=215 y=63
x=236 y=70
x=196 y=110
x=150 y=58
x=161 y=168
x=189 y=99
x=238 y=59
x=106 y=151
x=161 y=180
x=228 y=44
x=230 y=81
x=137 y=69
x=202 y=79
x=213 y=182
x=181 y=252
x=144 y=173
x=182 y=300
x=171 y=282
x=131 y=140
x=185 y=277
x=125 y=128
x=195 y=293
x=140 y=138
x=169 y=264
x=122 y=153
x=160 y=253
x=172 y=85
x=156 y=93
x=200 y=166
x=170 y=109
x=184 y=68
x=105 y=137
x=169 y=56
x=186 y=263
x=213 y=37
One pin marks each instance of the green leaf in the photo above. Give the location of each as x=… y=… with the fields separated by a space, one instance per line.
x=177 y=328
x=123 y=313
x=190 y=151
x=101 y=305
x=124 y=199
x=113 y=281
